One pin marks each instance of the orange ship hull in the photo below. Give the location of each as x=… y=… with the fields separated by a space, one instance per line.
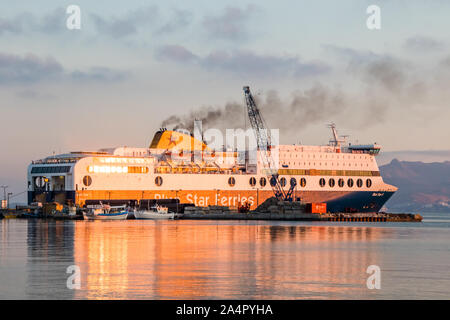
x=336 y=201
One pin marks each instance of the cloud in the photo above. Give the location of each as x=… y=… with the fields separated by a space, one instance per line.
x=181 y=19
x=422 y=44
x=27 y=69
x=10 y=26
x=50 y=23
x=249 y=62
x=244 y=62
x=100 y=74
x=175 y=53
x=445 y=62
x=390 y=84
x=382 y=70
x=231 y=24
x=387 y=85
x=386 y=73
x=127 y=25
x=354 y=57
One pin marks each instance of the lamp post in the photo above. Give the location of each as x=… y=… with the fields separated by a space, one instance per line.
x=7 y=202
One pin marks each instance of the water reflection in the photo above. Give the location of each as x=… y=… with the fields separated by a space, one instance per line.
x=182 y=260
x=222 y=260
x=50 y=251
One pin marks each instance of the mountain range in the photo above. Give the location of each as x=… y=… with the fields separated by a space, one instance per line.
x=422 y=187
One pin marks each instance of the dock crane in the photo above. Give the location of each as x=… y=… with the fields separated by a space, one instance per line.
x=264 y=143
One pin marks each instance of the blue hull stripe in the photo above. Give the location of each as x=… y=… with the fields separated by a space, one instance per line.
x=112 y=214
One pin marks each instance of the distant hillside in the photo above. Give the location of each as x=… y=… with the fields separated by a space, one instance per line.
x=421 y=186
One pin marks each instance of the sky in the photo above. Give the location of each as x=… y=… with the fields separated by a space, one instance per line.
x=137 y=65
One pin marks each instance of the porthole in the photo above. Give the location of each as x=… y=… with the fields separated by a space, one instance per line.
x=87 y=181
x=303 y=182
x=359 y=183
x=293 y=182
x=341 y=183
x=331 y=182
x=158 y=181
x=368 y=183
x=231 y=181
x=322 y=182
x=273 y=182
x=40 y=182
x=262 y=182
x=350 y=183
x=283 y=182
x=252 y=181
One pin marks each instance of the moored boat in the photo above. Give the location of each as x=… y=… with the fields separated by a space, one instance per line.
x=31 y=214
x=155 y=213
x=9 y=215
x=106 y=212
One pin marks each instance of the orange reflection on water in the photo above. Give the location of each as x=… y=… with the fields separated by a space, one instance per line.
x=229 y=260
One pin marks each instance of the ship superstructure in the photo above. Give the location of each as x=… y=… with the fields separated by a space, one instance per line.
x=344 y=176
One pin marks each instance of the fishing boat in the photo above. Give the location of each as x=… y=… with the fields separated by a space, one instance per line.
x=9 y=215
x=106 y=212
x=156 y=212
x=31 y=214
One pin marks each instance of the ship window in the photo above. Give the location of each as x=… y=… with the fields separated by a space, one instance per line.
x=283 y=182
x=87 y=181
x=262 y=182
x=231 y=181
x=331 y=182
x=368 y=183
x=341 y=183
x=293 y=182
x=252 y=181
x=273 y=182
x=158 y=181
x=137 y=169
x=322 y=182
x=50 y=169
x=359 y=183
x=350 y=183
x=303 y=182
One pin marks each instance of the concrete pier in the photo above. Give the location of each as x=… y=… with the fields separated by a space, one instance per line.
x=337 y=217
x=292 y=211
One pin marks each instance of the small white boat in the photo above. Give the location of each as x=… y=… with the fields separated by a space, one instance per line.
x=106 y=212
x=155 y=213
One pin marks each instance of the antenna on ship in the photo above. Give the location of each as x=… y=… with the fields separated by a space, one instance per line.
x=335 y=140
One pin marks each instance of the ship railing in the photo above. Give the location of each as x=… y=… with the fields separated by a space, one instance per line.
x=53 y=161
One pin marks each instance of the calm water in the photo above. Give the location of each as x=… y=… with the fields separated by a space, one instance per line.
x=224 y=260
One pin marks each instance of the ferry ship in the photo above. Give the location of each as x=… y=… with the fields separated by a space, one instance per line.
x=344 y=176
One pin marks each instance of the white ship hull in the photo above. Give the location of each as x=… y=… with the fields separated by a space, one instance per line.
x=151 y=215
x=121 y=216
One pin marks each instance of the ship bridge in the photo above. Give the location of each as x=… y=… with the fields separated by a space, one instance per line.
x=373 y=149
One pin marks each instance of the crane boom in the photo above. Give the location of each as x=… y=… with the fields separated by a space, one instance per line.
x=264 y=143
